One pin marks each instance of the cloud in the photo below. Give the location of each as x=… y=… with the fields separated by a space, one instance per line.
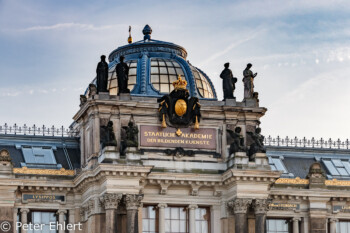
x=62 y=26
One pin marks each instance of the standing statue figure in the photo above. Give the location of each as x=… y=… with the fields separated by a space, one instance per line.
x=122 y=70
x=248 y=81
x=102 y=75
x=228 y=82
x=238 y=141
x=258 y=142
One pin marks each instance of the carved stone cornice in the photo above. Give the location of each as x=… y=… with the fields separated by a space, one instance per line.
x=239 y=205
x=110 y=200
x=261 y=206
x=133 y=201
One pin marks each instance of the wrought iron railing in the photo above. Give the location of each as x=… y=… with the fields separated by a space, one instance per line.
x=307 y=143
x=37 y=130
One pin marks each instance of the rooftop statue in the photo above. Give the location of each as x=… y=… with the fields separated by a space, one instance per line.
x=107 y=135
x=122 y=70
x=102 y=75
x=248 y=81
x=258 y=142
x=238 y=141
x=228 y=82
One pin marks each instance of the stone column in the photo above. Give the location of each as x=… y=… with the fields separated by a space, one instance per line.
x=61 y=222
x=110 y=202
x=192 y=218
x=24 y=219
x=239 y=207
x=161 y=209
x=260 y=208
x=296 y=225
x=133 y=202
x=71 y=219
x=333 y=225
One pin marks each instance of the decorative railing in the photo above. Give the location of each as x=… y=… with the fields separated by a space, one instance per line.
x=307 y=143
x=37 y=130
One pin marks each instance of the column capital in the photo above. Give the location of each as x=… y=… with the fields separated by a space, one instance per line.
x=110 y=200
x=261 y=205
x=335 y=220
x=296 y=219
x=162 y=205
x=192 y=207
x=239 y=205
x=133 y=201
x=59 y=212
x=24 y=210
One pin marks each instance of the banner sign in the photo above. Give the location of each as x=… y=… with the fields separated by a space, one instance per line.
x=341 y=208
x=284 y=206
x=42 y=198
x=155 y=136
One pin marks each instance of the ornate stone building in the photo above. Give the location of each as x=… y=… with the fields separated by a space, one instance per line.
x=168 y=158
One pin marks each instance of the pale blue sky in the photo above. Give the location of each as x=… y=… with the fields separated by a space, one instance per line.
x=300 y=49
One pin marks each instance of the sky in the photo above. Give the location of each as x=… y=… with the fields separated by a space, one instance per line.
x=300 y=49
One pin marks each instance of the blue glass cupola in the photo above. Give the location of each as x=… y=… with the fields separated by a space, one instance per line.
x=154 y=65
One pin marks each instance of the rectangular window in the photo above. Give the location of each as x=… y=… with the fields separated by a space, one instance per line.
x=343 y=227
x=337 y=167
x=149 y=220
x=38 y=155
x=277 y=226
x=45 y=218
x=276 y=164
x=202 y=220
x=176 y=220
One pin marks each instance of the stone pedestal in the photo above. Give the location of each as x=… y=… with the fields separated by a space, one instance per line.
x=133 y=156
x=240 y=160
x=109 y=154
x=230 y=102
x=124 y=96
x=103 y=95
x=251 y=102
x=261 y=160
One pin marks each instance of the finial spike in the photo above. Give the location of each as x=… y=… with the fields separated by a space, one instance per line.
x=129 y=38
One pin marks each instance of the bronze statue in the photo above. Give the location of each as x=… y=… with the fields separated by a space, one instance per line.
x=102 y=75
x=248 y=81
x=122 y=70
x=238 y=141
x=258 y=142
x=107 y=135
x=228 y=82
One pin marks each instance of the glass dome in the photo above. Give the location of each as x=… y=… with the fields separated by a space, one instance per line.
x=154 y=65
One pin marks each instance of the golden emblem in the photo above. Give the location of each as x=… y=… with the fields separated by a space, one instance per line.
x=180 y=107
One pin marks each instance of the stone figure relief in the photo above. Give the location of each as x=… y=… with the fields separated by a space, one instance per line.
x=248 y=81
x=83 y=100
x=92 y=89
x=258 y=142
x=228 y=82
x=102 y=75
x=107 y=135
x=122 y=71
x=238 y=141
x=130 y=137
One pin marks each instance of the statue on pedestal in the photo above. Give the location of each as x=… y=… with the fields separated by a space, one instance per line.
x=248 y=81
x=107 y=135
x=102 y=75
x=228 y=82
x=238 y=141
x=258 y=142
x=122 y=70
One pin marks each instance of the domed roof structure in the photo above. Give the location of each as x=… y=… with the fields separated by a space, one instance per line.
x=154 y=65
